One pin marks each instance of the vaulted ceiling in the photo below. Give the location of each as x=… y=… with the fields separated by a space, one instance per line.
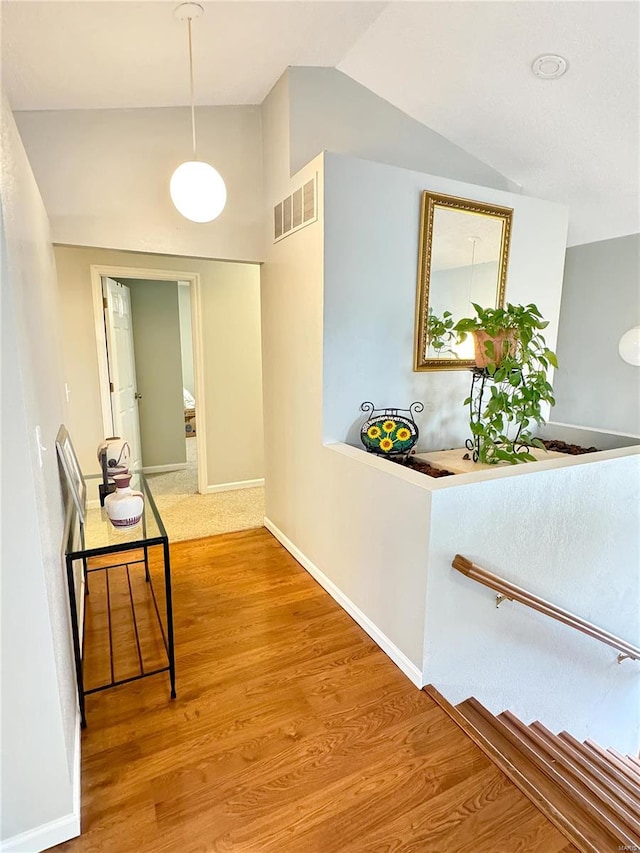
x=461 y=68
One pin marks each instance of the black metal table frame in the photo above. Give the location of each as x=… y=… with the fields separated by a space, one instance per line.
x=85 y=554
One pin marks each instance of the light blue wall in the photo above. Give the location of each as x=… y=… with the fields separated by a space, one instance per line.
x=600 y=302
x=371 y=230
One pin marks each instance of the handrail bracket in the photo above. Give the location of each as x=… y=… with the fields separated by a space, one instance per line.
x=505 y=590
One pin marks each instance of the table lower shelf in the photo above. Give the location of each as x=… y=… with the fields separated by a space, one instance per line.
x=125 y=636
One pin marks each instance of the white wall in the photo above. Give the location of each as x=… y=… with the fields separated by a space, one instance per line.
x=372 y=227
x=230 y=300
x=330 y=111
x=104 y=177
x=600 y=302
x=569 y=535
x=40 y=742
x=233 y=373
x=316 y=502
x=186 y=338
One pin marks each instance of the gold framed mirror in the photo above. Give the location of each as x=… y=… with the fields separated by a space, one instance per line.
x=464 y=254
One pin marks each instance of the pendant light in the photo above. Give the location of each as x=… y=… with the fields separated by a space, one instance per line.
x=197 y=189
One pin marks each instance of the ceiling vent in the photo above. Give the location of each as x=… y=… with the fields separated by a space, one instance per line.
x=296 y=211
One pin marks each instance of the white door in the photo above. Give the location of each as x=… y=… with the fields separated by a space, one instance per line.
x=122 y=367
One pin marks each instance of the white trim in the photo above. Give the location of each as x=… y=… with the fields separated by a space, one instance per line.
x=603 y=431
x=197 y=335
x=241 y=484
x=45 y=836
x=399 y=658
x=77 y=764
x=193 y=280
x=156 y=469
x=56 y=831
x=101 y=345
x=431 y=484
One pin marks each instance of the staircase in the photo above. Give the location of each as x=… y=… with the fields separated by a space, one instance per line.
x=591 y=794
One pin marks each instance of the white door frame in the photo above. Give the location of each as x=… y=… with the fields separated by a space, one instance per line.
x=193 y=279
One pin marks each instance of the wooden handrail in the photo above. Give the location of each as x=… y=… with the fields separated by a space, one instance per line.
x=517 y=593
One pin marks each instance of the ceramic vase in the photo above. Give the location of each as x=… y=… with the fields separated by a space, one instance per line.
x=118 y=454
x=124 y=506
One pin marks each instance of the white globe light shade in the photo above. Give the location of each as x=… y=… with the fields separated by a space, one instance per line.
x=629 y=346
x=198 y=191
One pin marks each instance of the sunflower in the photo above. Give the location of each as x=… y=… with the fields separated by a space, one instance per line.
x=386 y=444
x=373 y=432
x=403 y=434
x=389 y=426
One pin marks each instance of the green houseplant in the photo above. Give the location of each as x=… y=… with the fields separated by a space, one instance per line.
x=511 y=349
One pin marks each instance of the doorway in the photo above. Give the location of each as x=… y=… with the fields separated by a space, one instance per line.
x=150 y=327
x=164 y=374
x=228 y=440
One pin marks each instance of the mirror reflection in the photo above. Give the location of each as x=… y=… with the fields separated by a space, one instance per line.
x=463 y=259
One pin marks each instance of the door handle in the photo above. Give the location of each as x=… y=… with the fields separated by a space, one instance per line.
x=137 y=396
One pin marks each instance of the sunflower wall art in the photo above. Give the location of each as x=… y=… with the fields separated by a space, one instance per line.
x=389 y=432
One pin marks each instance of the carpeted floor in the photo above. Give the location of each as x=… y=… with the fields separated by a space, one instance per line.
x=183 y=482
x=189 y=515
x=194 y=516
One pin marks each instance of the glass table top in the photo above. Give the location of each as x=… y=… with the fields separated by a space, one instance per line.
x=98 y=532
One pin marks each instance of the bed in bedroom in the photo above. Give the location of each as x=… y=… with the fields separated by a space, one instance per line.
x=189 y=413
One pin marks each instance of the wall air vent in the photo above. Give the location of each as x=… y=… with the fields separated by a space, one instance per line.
x=295 y=211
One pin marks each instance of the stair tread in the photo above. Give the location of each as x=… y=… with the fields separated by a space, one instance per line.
x=600 y=780
x=625 y=760
x=629 y=760
x=563 y=774
x=622 y=766
x=591 y=789
x=618 y=780
x=557 y=799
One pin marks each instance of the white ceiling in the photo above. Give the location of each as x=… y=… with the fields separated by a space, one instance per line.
x=90 y=55
x=461 y=68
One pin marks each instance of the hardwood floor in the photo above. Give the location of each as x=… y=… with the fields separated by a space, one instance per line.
x=292 y=732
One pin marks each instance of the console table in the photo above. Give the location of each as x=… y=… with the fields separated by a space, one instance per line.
x=90 y=546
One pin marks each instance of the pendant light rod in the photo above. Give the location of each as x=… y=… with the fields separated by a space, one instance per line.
x=193 y=109
x=187 y=12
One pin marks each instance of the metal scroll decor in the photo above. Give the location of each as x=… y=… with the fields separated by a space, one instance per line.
x=389 y=432
x=481 y=379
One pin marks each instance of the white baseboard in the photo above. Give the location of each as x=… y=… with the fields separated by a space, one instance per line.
x=399 y=658
x=56 y=831
x=158 y=469
x=77 y=768
x=229 y=487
